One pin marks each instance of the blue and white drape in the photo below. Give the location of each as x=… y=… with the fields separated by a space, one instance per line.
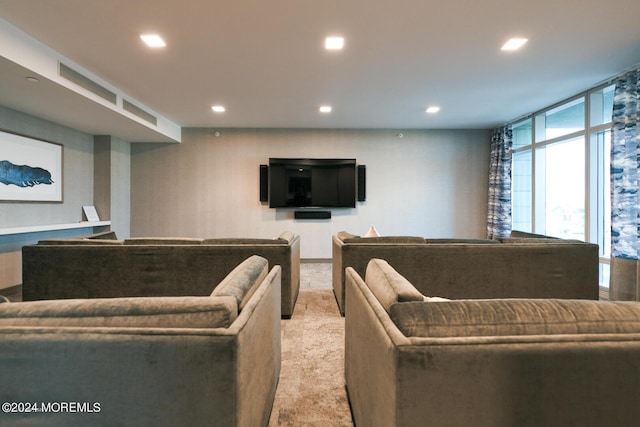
x=499 y=212
x=625 y=200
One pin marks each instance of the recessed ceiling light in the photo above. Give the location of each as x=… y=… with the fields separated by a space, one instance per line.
x=153 y=40
x=218 y=109
x=325 y=109
x=334 y=43
x=432 y=109
x=514 y=43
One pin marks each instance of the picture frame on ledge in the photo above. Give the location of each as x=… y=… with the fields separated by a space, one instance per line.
x=91 y=214
x=31 y=169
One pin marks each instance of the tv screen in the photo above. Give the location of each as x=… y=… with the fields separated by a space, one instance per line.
x=300 y=183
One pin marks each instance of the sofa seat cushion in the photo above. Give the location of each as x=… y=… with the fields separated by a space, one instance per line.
x=139 y=312
x=502 y=317
x=243 y=280
x=388 y=286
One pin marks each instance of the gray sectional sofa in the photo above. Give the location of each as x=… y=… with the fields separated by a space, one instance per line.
x=522 y=266
x=101 y=266
x=414 y=361
x=148 y=361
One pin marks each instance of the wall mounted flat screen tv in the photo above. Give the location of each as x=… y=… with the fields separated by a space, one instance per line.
x=302 y=183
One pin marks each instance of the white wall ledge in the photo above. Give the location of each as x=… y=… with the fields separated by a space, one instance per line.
x=52 y=227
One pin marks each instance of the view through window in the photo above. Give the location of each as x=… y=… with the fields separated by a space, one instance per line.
x=560 y=178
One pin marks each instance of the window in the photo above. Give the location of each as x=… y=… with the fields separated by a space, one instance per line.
x=560 y=195
x=601 y=205
x=560 y=179
x=563 y=120
x=521 y=179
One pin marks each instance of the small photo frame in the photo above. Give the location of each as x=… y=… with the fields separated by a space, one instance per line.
x=30 y=169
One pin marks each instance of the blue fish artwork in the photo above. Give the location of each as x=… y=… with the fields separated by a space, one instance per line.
x=23 y=175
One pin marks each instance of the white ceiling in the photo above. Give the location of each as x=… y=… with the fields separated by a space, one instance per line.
x=265 y=60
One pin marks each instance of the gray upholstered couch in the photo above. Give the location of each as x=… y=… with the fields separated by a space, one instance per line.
x=522 y=266
x=487 y=363
x=100 y=266
x=158 y=361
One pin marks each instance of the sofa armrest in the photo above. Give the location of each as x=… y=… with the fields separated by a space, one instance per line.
x=371 y=371
x=259 y=352
x=337 y=271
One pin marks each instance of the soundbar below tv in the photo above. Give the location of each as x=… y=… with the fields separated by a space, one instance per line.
x=307 y=183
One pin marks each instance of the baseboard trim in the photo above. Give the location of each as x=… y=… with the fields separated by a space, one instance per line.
x=315 y=260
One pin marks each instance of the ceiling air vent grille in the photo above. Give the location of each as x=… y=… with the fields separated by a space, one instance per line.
x=86 y=83
x=133 y=109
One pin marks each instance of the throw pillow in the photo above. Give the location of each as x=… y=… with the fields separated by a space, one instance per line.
x=435 y=299
x=372 y=232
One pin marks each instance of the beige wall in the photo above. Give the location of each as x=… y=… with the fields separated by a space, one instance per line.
x=427 y=183
x=78 y=172
x=78 y=190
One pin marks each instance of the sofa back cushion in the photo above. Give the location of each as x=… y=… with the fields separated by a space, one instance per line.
x=453 y=240
x=412 y=240
x=285 y=238
x=103 y=235
x=532 y=240
x=140 y=312
x=243 y=280
x=163 y=241
x=244 y=241
x=388 y=286
x=353 y=238
x=526 y=234
x=79 y=241
x=501 y=317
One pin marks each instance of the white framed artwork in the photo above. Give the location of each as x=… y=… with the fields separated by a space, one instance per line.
x=30 y=169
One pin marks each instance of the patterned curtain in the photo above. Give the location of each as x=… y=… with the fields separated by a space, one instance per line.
x=625 y=210
x=499 y=213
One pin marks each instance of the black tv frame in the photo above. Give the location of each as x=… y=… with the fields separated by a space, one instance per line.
x=286 y=173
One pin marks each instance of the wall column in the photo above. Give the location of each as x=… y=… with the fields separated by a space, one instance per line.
x=112 y=182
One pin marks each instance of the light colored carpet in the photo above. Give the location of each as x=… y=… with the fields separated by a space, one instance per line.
x=311 y=391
